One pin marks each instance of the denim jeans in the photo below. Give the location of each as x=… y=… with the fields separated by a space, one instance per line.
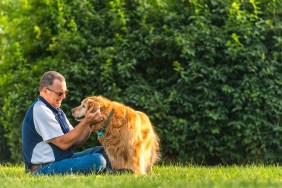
x=92 y=160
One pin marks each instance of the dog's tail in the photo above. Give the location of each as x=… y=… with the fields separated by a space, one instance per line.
x=156 y=154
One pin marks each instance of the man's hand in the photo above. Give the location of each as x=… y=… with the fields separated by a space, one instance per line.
x=93 y=117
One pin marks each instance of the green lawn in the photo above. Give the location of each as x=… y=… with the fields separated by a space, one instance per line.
x=162 y=176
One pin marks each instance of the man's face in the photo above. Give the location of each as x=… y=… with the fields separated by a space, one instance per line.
x=56 y=93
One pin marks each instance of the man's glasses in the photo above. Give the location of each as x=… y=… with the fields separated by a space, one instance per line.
x=60 y=94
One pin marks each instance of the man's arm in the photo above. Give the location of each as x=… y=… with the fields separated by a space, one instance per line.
x=78 y=134
x=83 y=138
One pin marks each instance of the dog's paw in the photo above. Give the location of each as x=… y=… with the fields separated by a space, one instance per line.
x=123 y=171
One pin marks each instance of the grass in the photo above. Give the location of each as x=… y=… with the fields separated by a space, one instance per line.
x=162 y=176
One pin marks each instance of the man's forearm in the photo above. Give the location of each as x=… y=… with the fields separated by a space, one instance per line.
x=69 y=139
x=84 y=137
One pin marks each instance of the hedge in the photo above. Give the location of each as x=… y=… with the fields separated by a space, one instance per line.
x=207 y=73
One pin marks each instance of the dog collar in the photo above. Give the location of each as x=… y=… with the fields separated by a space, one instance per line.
x=101 y=132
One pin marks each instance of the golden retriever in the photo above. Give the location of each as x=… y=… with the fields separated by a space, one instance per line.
x=127 y=135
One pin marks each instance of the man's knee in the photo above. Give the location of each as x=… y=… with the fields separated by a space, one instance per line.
x=103 y=161
x=99 y=162
x=97 y=149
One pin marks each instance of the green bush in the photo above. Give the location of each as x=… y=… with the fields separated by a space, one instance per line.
x=208 y=73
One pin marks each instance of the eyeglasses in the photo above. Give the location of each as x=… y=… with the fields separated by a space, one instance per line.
x=60 y=94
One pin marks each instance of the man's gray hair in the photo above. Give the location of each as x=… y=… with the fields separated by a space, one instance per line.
x=48 y=78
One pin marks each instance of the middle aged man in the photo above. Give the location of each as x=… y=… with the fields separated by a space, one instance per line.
x=48 y=138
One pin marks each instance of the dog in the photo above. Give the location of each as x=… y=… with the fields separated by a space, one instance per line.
x=127 y=135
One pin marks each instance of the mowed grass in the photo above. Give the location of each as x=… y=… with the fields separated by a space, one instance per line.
x=162 y=176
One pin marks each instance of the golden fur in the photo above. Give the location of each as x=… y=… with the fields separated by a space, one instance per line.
x=129 y=139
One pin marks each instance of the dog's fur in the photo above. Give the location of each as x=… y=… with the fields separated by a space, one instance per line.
x=129 y=138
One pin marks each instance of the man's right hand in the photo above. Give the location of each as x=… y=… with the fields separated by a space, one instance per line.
x=92 y=117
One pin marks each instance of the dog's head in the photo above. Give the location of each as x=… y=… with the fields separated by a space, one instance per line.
x=80 y=111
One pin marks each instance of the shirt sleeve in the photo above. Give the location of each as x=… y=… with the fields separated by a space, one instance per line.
x=45 y=122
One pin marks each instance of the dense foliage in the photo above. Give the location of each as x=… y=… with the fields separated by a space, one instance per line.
x=208 y=73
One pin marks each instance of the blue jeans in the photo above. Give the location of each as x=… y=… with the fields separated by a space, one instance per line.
x=92 y=160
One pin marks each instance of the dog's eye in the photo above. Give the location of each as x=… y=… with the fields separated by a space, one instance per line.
x=83 y=106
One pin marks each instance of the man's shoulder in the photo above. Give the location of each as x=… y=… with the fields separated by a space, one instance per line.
x=40 y=109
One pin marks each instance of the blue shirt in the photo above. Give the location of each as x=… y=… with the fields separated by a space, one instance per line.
x=43 y=122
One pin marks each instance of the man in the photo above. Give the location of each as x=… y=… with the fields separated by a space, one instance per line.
x=48 y=138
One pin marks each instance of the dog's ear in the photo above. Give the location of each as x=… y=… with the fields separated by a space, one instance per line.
x=91 y=103
x=96 y=106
